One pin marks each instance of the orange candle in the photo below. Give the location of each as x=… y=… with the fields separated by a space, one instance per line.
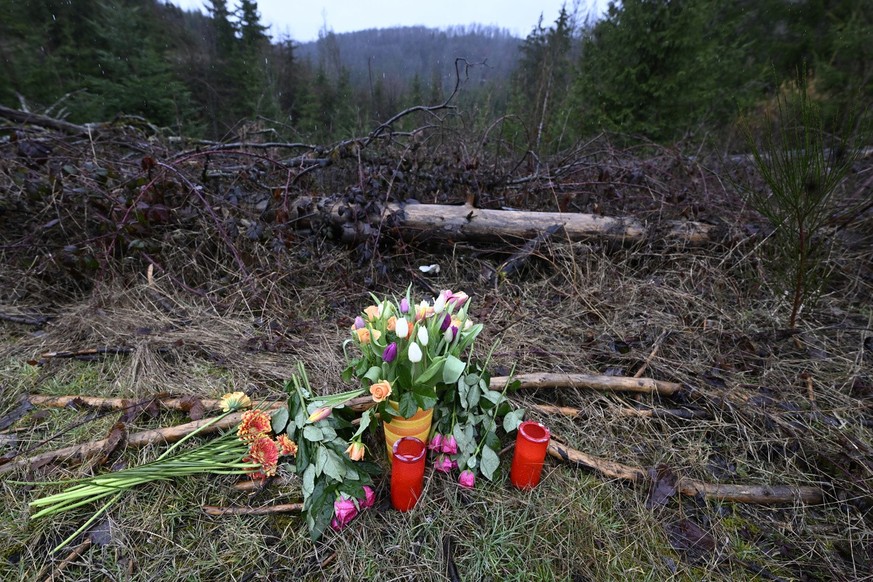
x=407 y=472
x=531 y=443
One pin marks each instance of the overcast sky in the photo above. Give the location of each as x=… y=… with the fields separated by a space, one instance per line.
x=301 y=21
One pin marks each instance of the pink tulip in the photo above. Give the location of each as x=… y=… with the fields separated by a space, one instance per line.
x=467 y=479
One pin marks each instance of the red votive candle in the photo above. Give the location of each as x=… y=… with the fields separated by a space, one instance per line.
x=407 y=472
x=531 y=443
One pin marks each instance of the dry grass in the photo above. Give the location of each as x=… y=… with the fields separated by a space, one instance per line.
x=578 y=307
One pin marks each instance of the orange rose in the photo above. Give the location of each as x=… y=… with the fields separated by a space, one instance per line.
x=365 y=337
x=355 y=451
x=373 y=312
x=380 y=390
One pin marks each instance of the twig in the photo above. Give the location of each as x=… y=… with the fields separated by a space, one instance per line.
x=651 y=356
x=218 y=511
x=62 y=565
x=88 y=352
x=34 y=320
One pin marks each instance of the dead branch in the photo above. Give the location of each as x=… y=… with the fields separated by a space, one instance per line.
x=602 y=383
x=218 y=511
x=78 y=453
x=168 y=402
x=88 y=352
x=46 y=122
x=682 y=413
x=759 y=494
x=34 y=320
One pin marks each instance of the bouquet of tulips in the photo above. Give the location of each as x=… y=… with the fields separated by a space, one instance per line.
x=409 y=352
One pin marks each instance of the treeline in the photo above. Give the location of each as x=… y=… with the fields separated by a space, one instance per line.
x=659 y=70
x=664 y=70
x=218 y=74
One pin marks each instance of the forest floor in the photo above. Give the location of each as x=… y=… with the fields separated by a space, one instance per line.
x=196 y=270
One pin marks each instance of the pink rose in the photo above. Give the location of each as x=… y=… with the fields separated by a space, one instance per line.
x=436 y=442
x=344 y=512
x=450 y=445
x=444 y=464
x=467 y=479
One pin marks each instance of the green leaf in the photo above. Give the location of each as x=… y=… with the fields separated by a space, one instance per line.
x=308 y=482
x=313 y=433
x=431 y=372
x=473 y=396
x=452 y=369
x=513 y=419
x=471 y=463
x=333 y=465
x=490 y=462
x=463 y=391
x=279 y=420
x=374 y=374
x=408 y=405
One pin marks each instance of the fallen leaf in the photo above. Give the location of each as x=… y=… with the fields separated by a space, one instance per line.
x=686 y=536
x=663 y=486
x=193 y=406
x=15 y=414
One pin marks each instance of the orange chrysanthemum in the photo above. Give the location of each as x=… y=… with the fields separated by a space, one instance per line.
x=265 y=452
x=286 y=445
x=254 y=425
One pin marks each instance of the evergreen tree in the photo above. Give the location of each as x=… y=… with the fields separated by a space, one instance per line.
x=540 y=85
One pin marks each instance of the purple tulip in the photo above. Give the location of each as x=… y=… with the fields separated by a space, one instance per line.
x=404 y=305
x=359 y=322
x=467 y=479
x=390 y=352
x=369 y=497
x=447 y=322
x=450 y=445
x=344 y=510
x=436 y=442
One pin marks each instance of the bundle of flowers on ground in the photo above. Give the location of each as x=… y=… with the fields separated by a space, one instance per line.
x=414 y=356
x=248 y=450
x=335 y=480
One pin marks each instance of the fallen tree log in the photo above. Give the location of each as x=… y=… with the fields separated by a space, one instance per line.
x=465 y=222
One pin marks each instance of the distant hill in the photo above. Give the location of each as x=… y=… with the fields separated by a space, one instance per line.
x=397 y=56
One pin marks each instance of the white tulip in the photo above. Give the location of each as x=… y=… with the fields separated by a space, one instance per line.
x=401 y=328
x=439 y=304
x=414 y=353
x=423 y=338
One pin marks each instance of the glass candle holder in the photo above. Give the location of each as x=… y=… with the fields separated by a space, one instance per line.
x=531 y=443
x=407 y=472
